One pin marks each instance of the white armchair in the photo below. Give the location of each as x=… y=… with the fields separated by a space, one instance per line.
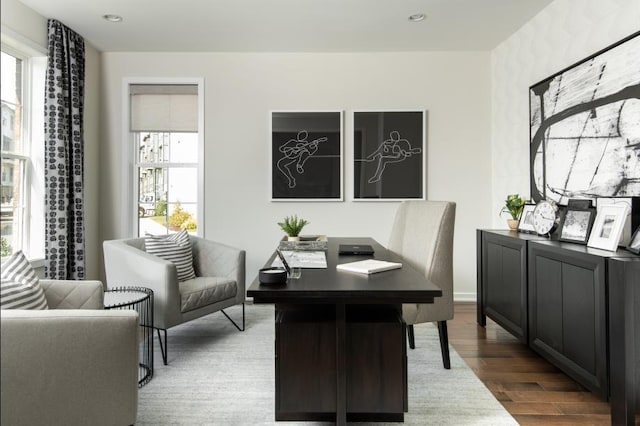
x=219 y=282
x=72 y=364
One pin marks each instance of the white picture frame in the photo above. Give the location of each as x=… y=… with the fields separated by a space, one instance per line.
x=607 y=229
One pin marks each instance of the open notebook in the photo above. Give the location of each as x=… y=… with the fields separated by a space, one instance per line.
x=369 y=266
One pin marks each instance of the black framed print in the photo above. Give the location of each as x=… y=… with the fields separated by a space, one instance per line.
x=634 y=243
x=389 y=155
x=576 y=224
x=525 y=224
x=585 y=127
x=306 y=156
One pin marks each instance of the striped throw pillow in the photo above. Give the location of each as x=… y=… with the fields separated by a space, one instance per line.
x=175 y=248
x=19 y=286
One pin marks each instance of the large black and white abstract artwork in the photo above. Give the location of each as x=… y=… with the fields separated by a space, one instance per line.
x=306 y=155
x=585 y=127
x=389 y=155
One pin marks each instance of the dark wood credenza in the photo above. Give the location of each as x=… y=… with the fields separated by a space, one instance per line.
x=576 y=306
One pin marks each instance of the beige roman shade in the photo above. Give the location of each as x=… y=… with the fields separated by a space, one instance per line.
x=164 y=107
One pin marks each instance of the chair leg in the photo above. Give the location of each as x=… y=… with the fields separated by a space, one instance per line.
x=444 y=344
x=232 y=321
x=163 y=347
x=411 y=336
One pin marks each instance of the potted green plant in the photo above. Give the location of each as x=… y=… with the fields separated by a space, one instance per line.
x=513 y=205
x=292 y=227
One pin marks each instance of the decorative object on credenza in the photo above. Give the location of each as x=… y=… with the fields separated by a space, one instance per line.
x=292 y=225
x=513 y=205
x=577 y=222
x=580 y=203
x=628 y=226
x=608 y=226
x=525 y=224
x=584 y=125
x=306 y=155
x=634 y=244
x=546 y=217
x=389 y=155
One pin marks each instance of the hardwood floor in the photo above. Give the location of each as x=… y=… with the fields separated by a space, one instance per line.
x=532 y=390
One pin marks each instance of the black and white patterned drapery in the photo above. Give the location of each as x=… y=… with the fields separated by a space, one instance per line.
x=64 y=155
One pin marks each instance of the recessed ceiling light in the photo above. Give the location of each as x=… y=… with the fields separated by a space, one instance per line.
x=112 y=18
x=417 y=17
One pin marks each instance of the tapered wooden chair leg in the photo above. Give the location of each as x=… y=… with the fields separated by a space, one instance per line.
x=411 y=336
x=444 y=344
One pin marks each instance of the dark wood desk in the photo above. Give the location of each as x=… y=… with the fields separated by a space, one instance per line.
x=340 y=350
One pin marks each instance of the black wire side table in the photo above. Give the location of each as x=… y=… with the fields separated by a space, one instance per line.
x=139 y=299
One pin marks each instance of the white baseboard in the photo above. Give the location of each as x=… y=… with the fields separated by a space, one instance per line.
x=464 y=297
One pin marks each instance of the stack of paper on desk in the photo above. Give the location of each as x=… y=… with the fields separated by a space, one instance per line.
x=369 y=266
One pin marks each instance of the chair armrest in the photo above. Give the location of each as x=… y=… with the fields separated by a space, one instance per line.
x=69 y=367
x=126 y=265
x=67 y=294
x=214 y=259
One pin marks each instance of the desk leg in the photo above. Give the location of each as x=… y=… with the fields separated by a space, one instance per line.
x=341 y=364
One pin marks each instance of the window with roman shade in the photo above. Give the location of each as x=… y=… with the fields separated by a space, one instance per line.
x=164 y=124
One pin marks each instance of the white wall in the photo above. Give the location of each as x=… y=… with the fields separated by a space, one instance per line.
x=241 y=89
x=29 y=28
x=562 y=34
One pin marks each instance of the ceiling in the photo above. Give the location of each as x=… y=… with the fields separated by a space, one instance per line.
x=291 y=25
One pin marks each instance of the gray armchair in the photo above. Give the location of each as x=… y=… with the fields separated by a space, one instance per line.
x=219 y=282
x=423 y=235
x=72 y=364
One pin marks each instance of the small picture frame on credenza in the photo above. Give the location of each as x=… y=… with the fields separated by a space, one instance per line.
x=525 y=224
x=608 y=226
x=634 y=243
x=577 y=224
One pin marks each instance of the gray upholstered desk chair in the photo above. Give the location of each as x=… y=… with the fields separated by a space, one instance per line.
x=219 y=281
x=422 y=234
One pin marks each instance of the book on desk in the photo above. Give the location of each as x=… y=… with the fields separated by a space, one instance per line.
x=369 y=266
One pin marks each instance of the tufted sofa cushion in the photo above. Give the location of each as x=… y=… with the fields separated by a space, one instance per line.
x=203 y=291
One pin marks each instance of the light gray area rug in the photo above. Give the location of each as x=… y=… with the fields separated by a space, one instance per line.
x=220 y=376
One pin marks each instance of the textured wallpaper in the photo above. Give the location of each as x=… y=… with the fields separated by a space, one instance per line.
x=562 y=34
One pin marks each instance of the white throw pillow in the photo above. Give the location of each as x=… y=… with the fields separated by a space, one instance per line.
x=20 y=287
x=175 y=248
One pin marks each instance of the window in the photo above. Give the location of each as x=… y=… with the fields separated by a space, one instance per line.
x=164 y=124
x=22 y=102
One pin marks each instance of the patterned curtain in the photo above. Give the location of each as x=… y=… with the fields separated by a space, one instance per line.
x=64 y=155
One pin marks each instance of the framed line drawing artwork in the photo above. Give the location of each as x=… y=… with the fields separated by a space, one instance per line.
x=585 y=127
x=607 y=228
x=306 y=156
x=389 y=155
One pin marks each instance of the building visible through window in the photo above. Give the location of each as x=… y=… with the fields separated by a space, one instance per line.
x=22 y=100
x=13 y=156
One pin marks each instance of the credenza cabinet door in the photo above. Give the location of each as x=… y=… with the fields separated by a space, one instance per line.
x=624 y=340
x=567 y=312
x=504 y=282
